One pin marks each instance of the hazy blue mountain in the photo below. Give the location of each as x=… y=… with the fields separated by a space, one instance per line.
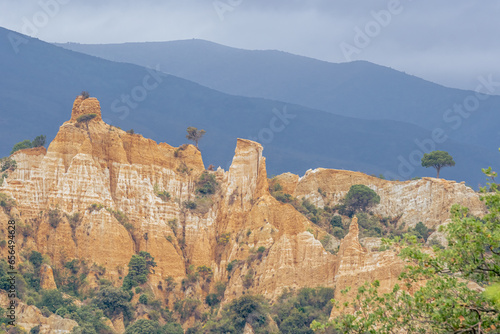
x=357 y=89
x=39 y=83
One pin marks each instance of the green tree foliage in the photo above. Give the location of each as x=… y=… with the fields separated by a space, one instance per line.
x=360 y=197
x=442 y=302
x=8 y=164
x=36 y=259
x=7 y=202
x=336 y=221
x=248 y=308
x=206 y=185
x=422 y=230
x=139 y=268
x=53 y=300
x=438 y=160
x=85 y=95
x=294 y=313
x=143 y=299
x=21 y=146
x=86 y=118
x=194 y=134
x=54 y=217
x=144 y=326
x=112 y=301
x=39 y=141
x=187 y=308
x=90 y=319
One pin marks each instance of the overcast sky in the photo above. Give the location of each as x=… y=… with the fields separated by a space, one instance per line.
x=450 y=42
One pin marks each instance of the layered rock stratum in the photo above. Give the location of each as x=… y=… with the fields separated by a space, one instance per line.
x=96 y=170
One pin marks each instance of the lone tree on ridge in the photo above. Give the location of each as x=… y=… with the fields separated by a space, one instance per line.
x=194 y=134
x=438 y=160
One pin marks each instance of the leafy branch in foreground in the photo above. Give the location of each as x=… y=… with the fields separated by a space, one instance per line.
x=454 y=290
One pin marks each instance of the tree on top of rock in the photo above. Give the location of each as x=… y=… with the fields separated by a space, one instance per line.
x=437 y=159
x=194 y=134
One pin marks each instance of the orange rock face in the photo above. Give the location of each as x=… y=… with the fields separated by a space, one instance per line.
x=47 y=278
x=93 y=163
x=427 y=200
x=357 y=266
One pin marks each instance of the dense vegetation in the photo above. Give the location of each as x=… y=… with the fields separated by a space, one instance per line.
x=37 y=142
x=456 y=290
x=357 y=202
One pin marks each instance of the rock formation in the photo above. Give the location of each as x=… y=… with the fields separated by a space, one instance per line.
x=47 y=278
x=358 y=265
x=427 y=200
x=94 y=195
x=28 y=316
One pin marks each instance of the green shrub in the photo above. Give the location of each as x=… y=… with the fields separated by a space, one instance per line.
x=212 y=299
x=139 y=269
x=283 y=197
x=85 y=95
x=95 y=207
x=246 y=309
x=190 y=205
x=36 y=259
x=294 y=312
x=248 y=279
x=261 y=249
x=86 y=118
x=21 y=146
x=122 y=219
x=8 y=164
x=54 y=218
x=35 y=330
x=143 y=299
x=224 y=238
x=230 y=265
x=187 y=308
x=39 y=141
x=164 y=195
x=173 y=225
x=206 y=185
x=53 y=300
x=336 y=221
x=422 y=231
x=112 y=301
x=6 y=202
x=205 y=272
x=62 y=311
x=130 y=132
x=170 y=284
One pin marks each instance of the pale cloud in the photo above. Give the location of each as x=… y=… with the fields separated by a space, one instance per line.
x=450 y=42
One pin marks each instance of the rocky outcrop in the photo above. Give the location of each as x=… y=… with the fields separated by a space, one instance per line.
x=358 y=266
x=427 y=200
x=28 y=316
x=47 y=278
x=94 y=195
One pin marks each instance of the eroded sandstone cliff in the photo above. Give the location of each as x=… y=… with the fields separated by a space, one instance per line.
x=95 y=195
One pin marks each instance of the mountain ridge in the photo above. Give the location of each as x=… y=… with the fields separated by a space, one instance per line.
x=41 y=79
